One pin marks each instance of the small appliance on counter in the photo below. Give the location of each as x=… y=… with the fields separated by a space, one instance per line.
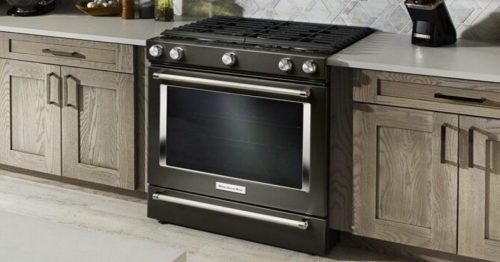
x=432 y=25
x=30 y=7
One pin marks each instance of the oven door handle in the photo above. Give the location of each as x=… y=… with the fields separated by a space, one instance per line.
x=203 y=81
x=231 y=211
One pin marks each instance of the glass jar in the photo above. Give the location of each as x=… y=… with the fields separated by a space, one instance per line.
x=164 y=10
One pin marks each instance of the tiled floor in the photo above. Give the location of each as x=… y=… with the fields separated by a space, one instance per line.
x=122 y=216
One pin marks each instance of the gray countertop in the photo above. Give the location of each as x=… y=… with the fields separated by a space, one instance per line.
x=69 y=22
x=466 y=59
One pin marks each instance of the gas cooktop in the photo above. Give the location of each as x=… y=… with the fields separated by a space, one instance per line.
x=270 y=34
x=254 y=46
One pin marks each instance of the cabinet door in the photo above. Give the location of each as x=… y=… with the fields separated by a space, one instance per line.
x=405 y=176
x=479 y=191
x=30 y=116
x=98 y=127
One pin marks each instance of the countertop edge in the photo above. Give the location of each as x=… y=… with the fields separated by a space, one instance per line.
x=414 y=70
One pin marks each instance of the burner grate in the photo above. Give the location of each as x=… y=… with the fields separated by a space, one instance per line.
x=276 y=34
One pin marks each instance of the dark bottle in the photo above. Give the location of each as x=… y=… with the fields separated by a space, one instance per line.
x=146 y=9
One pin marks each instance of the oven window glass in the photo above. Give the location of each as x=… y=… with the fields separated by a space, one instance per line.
x=235 y=136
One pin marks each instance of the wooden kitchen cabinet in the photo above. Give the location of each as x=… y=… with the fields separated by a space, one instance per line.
x=479 y=188
x=405 y=176
x=98 y=127
x=30 y=116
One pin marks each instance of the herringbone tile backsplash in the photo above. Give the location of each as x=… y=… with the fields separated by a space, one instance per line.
x=474 y=19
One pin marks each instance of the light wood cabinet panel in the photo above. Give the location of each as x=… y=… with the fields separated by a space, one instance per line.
x=30 y=125
x=405 y=176
x=479 y=190
x=98 y=127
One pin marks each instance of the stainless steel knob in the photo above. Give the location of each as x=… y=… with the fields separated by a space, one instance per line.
x=156 y=50
x=229 y=59
x=286 y=65
x=310 y=67
x=176 y=53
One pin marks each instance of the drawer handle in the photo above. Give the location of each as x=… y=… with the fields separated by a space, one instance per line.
x=459 y=98
x=65 y=54
x=231 y=211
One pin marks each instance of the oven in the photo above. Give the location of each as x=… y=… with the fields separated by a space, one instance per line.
x=254 y=141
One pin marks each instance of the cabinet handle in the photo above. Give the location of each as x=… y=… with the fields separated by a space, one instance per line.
x=49 y=87
x=459 y=98
x=443 y=144
x=471 y=147
x=62 y=53
x=66 y=93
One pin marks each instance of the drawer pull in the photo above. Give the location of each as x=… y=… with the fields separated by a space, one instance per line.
x=231 y=211
x=65 y=54
x=459 y=98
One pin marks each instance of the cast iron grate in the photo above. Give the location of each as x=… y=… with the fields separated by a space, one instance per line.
x=307 y=37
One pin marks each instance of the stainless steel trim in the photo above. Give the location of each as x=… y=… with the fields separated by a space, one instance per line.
x=422 y=36
x=306 y=146
x=232 y=211
x=203 y=81
x=163 y=124
x=424 y=7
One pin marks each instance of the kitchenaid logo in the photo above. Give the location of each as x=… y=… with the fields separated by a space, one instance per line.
x=231 y=188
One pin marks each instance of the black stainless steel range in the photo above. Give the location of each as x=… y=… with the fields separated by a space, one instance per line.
x=238 y=128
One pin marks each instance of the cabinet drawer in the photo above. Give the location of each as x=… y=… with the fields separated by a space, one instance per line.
x=68 y=52
x=430 y=93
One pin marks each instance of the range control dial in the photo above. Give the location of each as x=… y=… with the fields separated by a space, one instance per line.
x=229 y=59
x=286 y=65
x=156 y=50
x=310 y=67
x=176 y=53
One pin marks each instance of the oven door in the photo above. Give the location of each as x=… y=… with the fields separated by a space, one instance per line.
x=261 y=142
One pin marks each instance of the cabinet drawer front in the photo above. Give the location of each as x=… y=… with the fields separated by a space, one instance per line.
x=86 y=54
x=430 y=93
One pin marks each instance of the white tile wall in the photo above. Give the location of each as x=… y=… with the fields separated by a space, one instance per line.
x=474 y=19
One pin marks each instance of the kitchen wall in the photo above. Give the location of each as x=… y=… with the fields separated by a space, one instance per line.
x=474 y=19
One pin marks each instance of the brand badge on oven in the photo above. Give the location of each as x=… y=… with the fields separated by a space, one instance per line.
x=231 y=188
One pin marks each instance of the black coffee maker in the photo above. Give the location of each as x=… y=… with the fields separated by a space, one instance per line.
x=432 y=25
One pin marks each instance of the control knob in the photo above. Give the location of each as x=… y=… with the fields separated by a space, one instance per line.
x=286 y=65
x=156 y=50
x=229 y=59
x=309 y=67
x=176 y=53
